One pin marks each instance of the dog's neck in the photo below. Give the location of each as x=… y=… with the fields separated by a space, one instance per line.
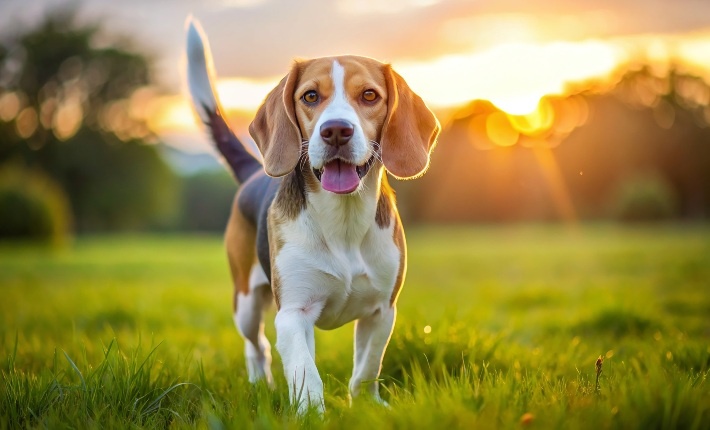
x=344 y=219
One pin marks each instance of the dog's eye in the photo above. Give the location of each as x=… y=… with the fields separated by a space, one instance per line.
x=310 y=97
x=369 y=95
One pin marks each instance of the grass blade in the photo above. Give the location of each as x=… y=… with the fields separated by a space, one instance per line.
x=76 y=369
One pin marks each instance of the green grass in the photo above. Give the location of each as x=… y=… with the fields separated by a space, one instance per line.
x=117 y=332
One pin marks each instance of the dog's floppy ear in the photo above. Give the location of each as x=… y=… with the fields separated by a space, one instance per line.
x=275 y=128
x=410 y=130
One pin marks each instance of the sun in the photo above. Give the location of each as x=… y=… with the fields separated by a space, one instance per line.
x=524 y=104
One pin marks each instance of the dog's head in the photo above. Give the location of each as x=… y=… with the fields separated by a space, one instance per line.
x=349 y=112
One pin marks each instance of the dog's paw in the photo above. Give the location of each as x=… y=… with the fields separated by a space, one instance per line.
x=312 y=403
x=379 y=400
x=371 y=397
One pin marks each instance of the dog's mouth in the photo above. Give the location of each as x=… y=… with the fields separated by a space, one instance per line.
x=341 y=177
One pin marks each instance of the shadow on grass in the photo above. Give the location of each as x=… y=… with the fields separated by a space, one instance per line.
x=532 y=299
x=117 y=319
x=617 y=323
x=684 y=308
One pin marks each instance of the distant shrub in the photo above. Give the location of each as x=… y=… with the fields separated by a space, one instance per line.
x=644 y=197
x=207 y=201
x=618 y=322
x=32 y=207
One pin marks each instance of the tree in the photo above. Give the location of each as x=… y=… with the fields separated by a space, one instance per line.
x=77 y=111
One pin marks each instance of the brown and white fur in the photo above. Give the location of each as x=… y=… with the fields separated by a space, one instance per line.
x=326 y=258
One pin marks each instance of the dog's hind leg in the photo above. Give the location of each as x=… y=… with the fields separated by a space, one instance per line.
x=252 y=294
x=249 y=319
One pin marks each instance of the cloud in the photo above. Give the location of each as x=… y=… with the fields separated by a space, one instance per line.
x=238 y=3
x=366 y=7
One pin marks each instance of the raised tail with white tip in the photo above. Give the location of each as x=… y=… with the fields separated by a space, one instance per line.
x=200 y=77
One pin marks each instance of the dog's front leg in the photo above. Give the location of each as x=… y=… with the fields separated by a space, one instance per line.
x=296 y=344
x=372 y=334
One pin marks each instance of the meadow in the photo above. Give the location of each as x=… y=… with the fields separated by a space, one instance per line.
x=498 y=327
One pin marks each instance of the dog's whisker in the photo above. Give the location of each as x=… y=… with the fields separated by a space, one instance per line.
x=376 y=150
x=303 y=157
x=374 y=154
x=302 y=160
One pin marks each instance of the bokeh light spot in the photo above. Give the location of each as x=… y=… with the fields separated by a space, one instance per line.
x=67 y=119
x=9 y=106
x=26 y=122
x=500 y=131
x=664 y=114
x=478 y=134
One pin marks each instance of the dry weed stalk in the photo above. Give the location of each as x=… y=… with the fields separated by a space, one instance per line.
x=599 y=363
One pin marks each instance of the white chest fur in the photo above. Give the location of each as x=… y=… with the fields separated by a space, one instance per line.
x=336 y=263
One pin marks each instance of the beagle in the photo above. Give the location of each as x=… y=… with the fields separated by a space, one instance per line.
x=315 y=226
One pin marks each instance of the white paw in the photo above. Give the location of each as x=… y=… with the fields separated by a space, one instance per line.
x=372 y=392
x=259 y=363
x=311 y=401
x=381 y=401
x=259 y=370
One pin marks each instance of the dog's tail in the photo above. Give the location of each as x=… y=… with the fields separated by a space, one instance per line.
x=200 y=72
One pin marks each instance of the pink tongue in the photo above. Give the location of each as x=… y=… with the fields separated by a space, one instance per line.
x=339 y=177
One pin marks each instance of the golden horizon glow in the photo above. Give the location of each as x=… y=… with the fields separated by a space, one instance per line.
x=173 y=114
x=243 y=93
x=513 y=76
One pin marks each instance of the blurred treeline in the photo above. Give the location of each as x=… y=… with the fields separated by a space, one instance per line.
x=76 y=153
x=635 y=149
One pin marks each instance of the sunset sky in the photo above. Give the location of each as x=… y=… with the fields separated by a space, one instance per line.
x=511 y=52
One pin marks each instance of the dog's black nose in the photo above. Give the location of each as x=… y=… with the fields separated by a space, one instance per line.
x=336 y=132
